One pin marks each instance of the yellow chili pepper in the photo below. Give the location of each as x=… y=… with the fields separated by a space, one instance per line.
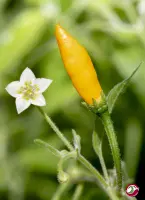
x=79 y=66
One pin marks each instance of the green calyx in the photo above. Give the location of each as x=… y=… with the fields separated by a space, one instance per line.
x=98 y=107
x=29 y=91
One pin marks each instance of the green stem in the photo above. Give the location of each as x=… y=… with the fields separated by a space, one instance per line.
x=56 y=130
x=112 y=195
x=72 y=154
x=99 y=177
x=102 y=162
x=90 y=167
x=78 y=192
x=108 y=125
x=63 y=188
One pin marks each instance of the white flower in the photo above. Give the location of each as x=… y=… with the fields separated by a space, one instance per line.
x=28 y=90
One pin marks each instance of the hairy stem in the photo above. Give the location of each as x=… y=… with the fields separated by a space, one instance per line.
x=103 y=165
x=109 y=128
x=90 y=167
x=56 y=130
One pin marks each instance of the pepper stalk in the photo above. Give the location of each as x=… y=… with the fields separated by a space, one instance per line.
x=101 y=110
x=109 y=128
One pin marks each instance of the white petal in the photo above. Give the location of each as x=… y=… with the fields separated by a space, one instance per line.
x=43 y=83
x=13 y=88
x=27 y=75
x=39 y=101
x=22 y=104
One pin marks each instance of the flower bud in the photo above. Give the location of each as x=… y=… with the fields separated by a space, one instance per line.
x=62 y=177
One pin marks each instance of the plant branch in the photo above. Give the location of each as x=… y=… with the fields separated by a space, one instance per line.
x=63 y=188
x=90 y=167
x=108 y=125
x=56 y=130
x=78 y=192
x=103 y=165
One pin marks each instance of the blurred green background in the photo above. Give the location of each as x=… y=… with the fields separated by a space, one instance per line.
x=113 y=32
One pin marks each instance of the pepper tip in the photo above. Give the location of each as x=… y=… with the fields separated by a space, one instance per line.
x=58 y=28
x=60 y=32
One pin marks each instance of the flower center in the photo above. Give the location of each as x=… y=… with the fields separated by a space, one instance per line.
x=29 y=91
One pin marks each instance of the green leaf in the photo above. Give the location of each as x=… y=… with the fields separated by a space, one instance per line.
x=48 y=146
x=97 y=143
x=118 y=89
x=76 y=141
